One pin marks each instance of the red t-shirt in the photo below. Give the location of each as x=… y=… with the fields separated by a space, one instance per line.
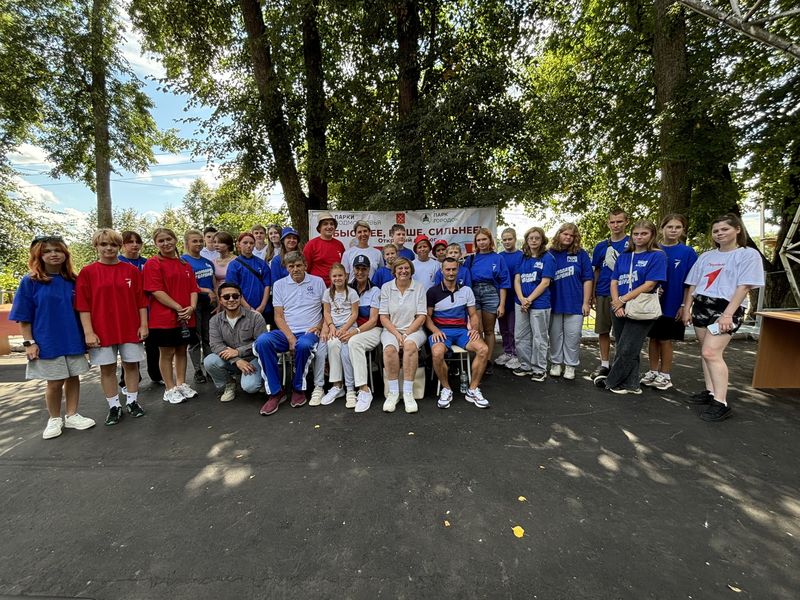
x=113 y=295
x=176 y=278
x=321 y=254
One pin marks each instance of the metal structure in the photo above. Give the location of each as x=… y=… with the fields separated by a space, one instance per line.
x=790 y=251
x=750 y=23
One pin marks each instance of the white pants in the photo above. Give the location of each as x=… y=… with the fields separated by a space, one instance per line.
x=360 y=344
x=338 y=361
x=565 y=339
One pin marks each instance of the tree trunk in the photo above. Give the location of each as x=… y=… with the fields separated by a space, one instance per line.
x=410 y=174
x=100 y=116
x=316 y=112
x=670 y=73
x=274 y=115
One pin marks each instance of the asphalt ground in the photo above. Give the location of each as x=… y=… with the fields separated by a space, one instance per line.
x=618 y=496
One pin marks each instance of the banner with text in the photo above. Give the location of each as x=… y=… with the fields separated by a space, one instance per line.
x=450 y=224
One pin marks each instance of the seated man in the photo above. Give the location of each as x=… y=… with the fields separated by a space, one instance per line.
x=298 y=316
x=231 y=334
x=449 y=305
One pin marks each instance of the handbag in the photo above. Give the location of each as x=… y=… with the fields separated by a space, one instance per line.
x=645 y=307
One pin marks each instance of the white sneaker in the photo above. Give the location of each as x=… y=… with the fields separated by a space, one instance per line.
x=569 y=372
x=648 y=378
x=661 y=383
x=351 y=399
x=363 y=402
x=76 y=421
x=229 y=393
x=503 y=359
x=333 y=393
x=173 y=396
x=185 y=391
x=53 y=428
x=476 y=397
x=555 y=371
x=513 y=364
x=445 y=396
x=391 y=401
x=317 y=396
x=411 y=404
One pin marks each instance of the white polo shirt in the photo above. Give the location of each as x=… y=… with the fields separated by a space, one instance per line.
x=301 y=302
x=403 y=308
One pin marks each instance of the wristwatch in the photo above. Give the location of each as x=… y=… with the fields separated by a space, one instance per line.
x=27 y=343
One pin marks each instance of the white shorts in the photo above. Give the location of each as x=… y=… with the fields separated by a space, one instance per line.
x=60 y=367
x=418 y=337
x=107 y=355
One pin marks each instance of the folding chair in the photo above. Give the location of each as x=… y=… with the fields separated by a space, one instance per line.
x=456 y=353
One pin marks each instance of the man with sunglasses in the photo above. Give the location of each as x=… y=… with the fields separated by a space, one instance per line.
x=232 y=332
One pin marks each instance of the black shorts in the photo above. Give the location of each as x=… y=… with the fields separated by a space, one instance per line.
x=667 y=328
x=707 y=310
x=171 y=338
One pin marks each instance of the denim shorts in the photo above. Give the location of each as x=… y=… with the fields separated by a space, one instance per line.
x=487 y=297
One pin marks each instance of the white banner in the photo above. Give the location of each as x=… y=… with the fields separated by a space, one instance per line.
x=450 y=224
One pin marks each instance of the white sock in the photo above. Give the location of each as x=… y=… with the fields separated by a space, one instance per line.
x=394 y=386
x=114 y=401
x=604 y=363
x=665 y=375
x=408 y=387
x=132 y=396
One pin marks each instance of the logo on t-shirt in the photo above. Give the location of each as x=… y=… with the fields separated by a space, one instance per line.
x=712 y=277
x=128 y=281
x=677 y=262
x=572 y=259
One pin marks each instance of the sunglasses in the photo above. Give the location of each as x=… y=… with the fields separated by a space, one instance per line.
x=47 y=239
x=230 y=296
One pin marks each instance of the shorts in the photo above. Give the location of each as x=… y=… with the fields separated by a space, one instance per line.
x=171 y=338
x=107 y=355
x=667 y=328
x=487 y=297
x=602 y=314
x=455 y=336
x=60 y=367
x=707 y=310
x=387 y=339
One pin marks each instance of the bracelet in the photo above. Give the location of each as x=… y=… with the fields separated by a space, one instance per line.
x=358 y=329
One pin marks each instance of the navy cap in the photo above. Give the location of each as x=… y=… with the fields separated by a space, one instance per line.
x=289 y=231
x=361 y=261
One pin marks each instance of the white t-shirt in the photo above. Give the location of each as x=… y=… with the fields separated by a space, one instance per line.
x=373 y=254
x=403 y=308
x=301 y=302
x=425 y=272
x=341 y=305
x=211 y=255
x=261 y=253
x=717 y=274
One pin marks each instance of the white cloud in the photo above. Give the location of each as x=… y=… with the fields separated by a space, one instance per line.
x=181 y=182
x=144 y=65
x=172 y=159
x=35 y=192
x=28 y=154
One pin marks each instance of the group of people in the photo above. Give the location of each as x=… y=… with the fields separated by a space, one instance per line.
x=274 y=305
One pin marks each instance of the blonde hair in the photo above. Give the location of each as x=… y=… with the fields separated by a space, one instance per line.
x=575 y=247
x=487 y=233
x=401 y=260
x=337 y=266
x=111 y=235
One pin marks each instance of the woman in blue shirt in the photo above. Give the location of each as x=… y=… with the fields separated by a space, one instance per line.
x=290 y=242
x=251 y=274
x=490 y=284
x=512 y=258
x=639 y=270
x=571 y=291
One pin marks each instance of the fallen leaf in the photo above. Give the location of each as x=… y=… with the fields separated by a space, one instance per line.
x=541 y=466
x=518 y=531
x=522 y=499
x=316 y=426
x=410 y=433
x=251 y=476
x=447 y=523
x=240 y=456
x=734 y=589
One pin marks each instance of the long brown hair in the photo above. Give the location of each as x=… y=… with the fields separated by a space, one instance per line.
x=36 y=264
x=575 y=247
x=734 y=221
x=337 y=266
x=487 y=233
x=651 y=227
x=526 y=251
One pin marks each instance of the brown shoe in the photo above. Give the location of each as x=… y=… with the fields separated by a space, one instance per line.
x=272 y=403
x=298 y=398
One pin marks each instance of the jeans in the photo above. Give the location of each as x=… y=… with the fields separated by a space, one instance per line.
x=221 y=372
x=629 y=335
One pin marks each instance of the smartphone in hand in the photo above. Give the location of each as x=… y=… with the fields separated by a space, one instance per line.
x=713 y=329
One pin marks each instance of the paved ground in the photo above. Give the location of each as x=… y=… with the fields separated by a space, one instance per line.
x=619 y=497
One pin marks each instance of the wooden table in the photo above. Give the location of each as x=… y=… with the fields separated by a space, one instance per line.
x=778 y=358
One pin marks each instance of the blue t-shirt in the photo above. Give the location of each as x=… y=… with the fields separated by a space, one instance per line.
x=680 y=259
x=276 y=268
x=382 y=275
x=406 y=253
x=488 y=267
x=531 y=271
x=462 y=279
x=572 y=271
x=647 y=266
x=252 y=285
x=604 y=256
x=203 y=271
x=48 y=307
x=512 y=260
x=136 y=262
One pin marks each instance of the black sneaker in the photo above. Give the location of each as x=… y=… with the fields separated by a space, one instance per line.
x=704 y=397
x=135 y=410
x=599 y=372
x=114 y=415
x=717 y=411
x=199 y=377
x=600 y=381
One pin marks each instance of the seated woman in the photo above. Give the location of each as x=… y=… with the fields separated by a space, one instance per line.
x=403 y=311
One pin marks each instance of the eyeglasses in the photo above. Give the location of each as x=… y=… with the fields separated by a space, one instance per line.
x=230 y=296
x=47 y=239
